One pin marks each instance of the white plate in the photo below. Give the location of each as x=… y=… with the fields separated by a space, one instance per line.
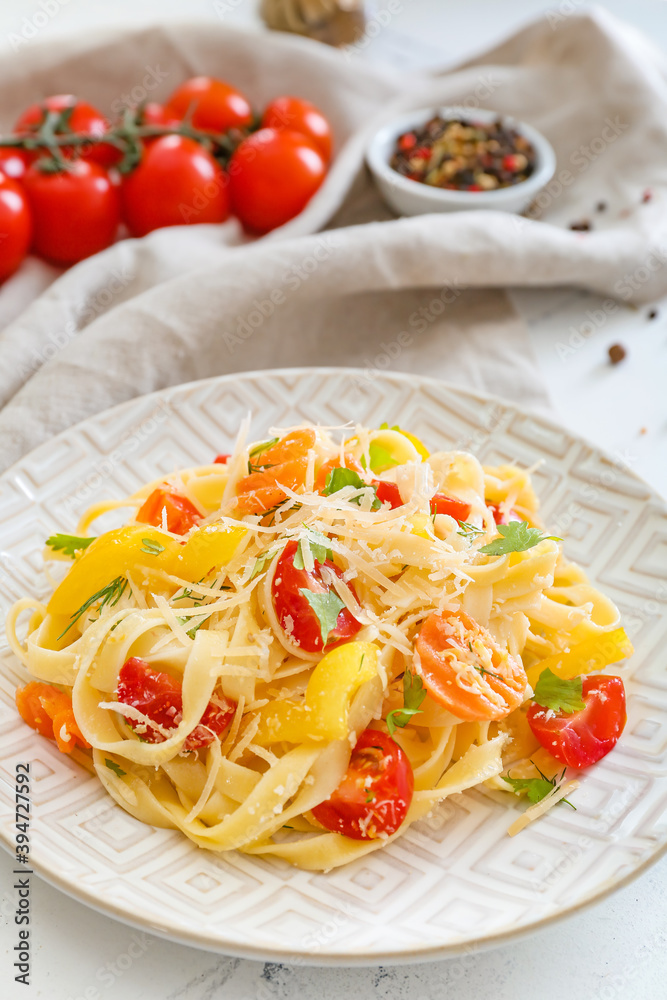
x=453 y=882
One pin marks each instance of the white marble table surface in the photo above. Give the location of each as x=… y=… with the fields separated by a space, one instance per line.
x=604 y=953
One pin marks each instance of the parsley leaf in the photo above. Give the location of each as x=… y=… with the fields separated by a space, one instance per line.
x=469 y=530
x=380 y=458
x=517 y=537
x=537 y=789
x=261 y=562
x=413 y=696
x=327 y=607
x=69 y=544
x=150 y=547
x=339 y=478
x=116 y=768
x=318 y=545
x=111 y=595
x=552 y=691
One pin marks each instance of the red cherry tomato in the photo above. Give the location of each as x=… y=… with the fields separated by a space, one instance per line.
x=14 y=162
x=15 y=226
x=84 y=118
x=295 y=614
x=273 y=175
x=221 y=459
x=210 y=104
x=158 y=695
x=153 y=113
x=499 y=517
x=300 y=116
x=441 y=503
x=75 y=213
x=177 y=183
x=388 y=493
x=374 y=796
x=181 y=514
x=582 y=738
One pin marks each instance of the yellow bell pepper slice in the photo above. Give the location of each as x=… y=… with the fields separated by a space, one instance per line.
x=591 y=654
x=208 y=546
x=116 y=552
x=323 y=715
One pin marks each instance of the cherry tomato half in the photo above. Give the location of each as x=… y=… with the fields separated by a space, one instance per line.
x=15 y=225
x=296 y=616
x=158 y=695
x=273 y=175
x=84 y=118
x=177 y=183
x=221 y=459
x=210 y=104
x=300 y=116
x=375 y=794
x=181 y=513
x=442 y=503
x=499 y=517
x=388 y=493
x=75 y=212
x=582 y=738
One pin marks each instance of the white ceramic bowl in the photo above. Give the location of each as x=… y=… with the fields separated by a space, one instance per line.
x=409 y=197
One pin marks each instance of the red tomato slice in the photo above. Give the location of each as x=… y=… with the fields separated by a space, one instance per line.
x=388 y=493
x=442 y=503
x=296 y=616
x=466 y=670
x=181 y=514
x=158 y=696
x=221 y=459
x=582 y=738
x=374 y=796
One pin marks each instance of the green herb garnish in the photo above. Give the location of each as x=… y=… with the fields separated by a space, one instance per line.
x=559 y=694
x=413 y=695
x=327 y=607
x=261 y=562
x=116 y=768
x=150 y=547
x=517 y=537
x=339 y=478
x=318 y=545
x=109 y=595
x=69 y=544
x=537 y=788
x=469 y=530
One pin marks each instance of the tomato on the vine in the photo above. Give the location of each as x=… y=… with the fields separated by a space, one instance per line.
x=273 y=175
x=375 y=794
x=180 y=513
x=75 y=211
x=15 y=225
x=159 y=697
x=84 y=118
x=14 y=162
x=209 y=104
x=300 y=116
x=177 y=183
x=582 y=738
x=295 y=613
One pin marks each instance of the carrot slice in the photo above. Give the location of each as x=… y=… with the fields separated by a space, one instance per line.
x=49 y=711
x=284 y=463
x=466 y=670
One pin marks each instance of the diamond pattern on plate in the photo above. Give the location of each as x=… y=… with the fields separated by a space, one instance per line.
x=455 y=878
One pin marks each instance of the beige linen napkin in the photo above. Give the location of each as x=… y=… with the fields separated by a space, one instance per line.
x=191 y=302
